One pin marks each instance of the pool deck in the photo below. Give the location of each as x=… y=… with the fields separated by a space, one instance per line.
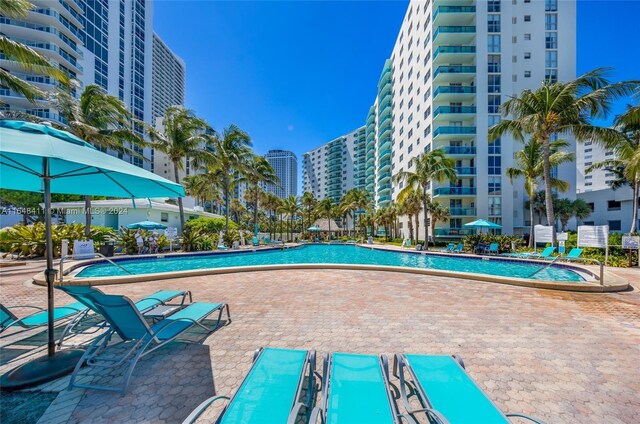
x=563 y=357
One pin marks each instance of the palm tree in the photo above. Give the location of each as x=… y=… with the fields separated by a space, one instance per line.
x=290 y=208
x=411 y=200
x=529 y=164
x=27 y=58
x=431 y=166
x=561 y=109
x=229 y=153
x=354 y=201
x=438 y=213
x=626 y=166
x=567 y=209
x=204 y=186
x=99 y=119
x=325 y=209
x=257 y=170
x=181 y=138
x=307 y=202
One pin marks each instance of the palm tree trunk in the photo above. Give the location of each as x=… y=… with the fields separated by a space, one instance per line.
x=255 y=210
x=87 y=216
x=425 y=203
x=410 y=224
x=634 y=216
x=548 y=194
x=226 y=204
x=417 y=218
x=354 y=222
x=180 y=207
x=532 y=224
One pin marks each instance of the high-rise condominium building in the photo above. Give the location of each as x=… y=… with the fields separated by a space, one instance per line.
x=454 y=63
x=589 y=153
x=104 y=42
x=285 y=165
x=334 y=168
x=167 y=79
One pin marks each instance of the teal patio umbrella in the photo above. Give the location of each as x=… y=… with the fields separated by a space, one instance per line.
x=146 y=225
x=482 y=223
x=314 y=228
x=39 y=158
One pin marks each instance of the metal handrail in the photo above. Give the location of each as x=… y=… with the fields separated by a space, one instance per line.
x=600 y=264
x=95 y=255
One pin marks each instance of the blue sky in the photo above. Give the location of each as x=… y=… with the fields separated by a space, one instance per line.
x=295 y=75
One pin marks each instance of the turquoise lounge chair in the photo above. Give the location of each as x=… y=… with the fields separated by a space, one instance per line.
x=38 y=318
x=143 y=305
x=136 y=336
x=573 y=255
x=545 y=254
x=355 y=389
x=459 y=249
x=492 y=249
x=271 y=391
x=446 y=393
x=450 y=248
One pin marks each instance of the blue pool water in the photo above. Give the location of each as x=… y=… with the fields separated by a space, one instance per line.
x=335 y=254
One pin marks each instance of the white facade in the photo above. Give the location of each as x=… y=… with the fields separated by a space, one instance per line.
x=104 y=42
x=122 y=212
x=452 y=66
x=610 y=207
x=335 y=167
x=588 y=154
x=168 y=78
x=285 y=166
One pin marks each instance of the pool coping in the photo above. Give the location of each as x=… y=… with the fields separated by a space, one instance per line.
x=613 y=281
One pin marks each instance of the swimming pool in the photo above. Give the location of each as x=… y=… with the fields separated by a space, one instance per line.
x=335 y=254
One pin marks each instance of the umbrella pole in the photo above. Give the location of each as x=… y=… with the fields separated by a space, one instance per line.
x=50 y=272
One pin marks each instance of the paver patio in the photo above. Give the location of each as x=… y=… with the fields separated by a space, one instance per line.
x=562 y=357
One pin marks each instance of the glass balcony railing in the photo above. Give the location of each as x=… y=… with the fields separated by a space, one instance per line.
x=454 y=69
x=453 y=232
x=384 y=153
x=454 y=9
x=453 y=49
x=454 y=109
x=454 y=30
x=454 y=130
x=44 y=28
x=384 y=199
x=462 y=211
x=465 y=170
x=454 y=89
x=459 y=150
x=458 y=191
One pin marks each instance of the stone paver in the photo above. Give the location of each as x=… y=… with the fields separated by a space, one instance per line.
x=562 y=357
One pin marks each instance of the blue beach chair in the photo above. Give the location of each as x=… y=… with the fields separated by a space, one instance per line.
x=446 y=393
x=492 y=249
x=137 y=338
x=545 y=254
x=271 y=391
x=451 y=247
x=459 y=248
x=38 y=318
x=143 y=305
x=573 y=255
x=355 y=389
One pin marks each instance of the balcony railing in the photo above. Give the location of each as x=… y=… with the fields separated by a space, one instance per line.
x=465 y=170
x=459 y=150
x=454 y=69
x=460 y=191
x=460 y=232
x=454 y=9
x=454 y=130
x=454 y=89
x=454 y=30
x=462 y=211
x=454 y=109
x=454 y=49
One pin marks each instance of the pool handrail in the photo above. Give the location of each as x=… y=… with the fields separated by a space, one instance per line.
x=99 y=255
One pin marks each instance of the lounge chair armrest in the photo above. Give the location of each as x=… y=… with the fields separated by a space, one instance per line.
x=294 y=412
x=193 y=416
x=315 y=414
x=526 y=417
x=26 y=306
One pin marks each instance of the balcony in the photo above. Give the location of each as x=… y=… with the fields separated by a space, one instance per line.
x=453 y=35
x=447 y=74
x=455 y=54
x=462 y=211
x=459 y=150
x=454 y=112
x=385 y=143
x=454 y=93
x=384 y=177
x=385 y=121
x=465 y=170
x=445 y=15
x=446 y=132
x=454 y=191
x=385 y=153
x=385 y=111
x=385 y=88
x=452 y=232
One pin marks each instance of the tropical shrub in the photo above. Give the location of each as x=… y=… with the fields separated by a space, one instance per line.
x=504 y=241
x=208 y=225
x=29 y=240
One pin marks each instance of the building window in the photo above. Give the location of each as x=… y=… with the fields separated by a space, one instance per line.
x=591 y=206
x=495 y=186
x=527 y=18
x=164 y=217
x=613 y=205
x=551 y=59
x=527 y=74
x=493 y=83
x=551 y=5
x=493 y=63
x=615 y=225
x=551 y=75
x=527 y=37
x=495 y=147
x=494 y=103
x=551 y=40
x=527 y=55
x=492 y=6
x=495 y=163
x=551 y=22
x=493 y=43
x=493 y=22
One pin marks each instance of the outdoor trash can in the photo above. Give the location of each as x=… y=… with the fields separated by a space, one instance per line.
x=107 y=250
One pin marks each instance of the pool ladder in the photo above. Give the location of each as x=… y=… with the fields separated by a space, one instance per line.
x=96 y=255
